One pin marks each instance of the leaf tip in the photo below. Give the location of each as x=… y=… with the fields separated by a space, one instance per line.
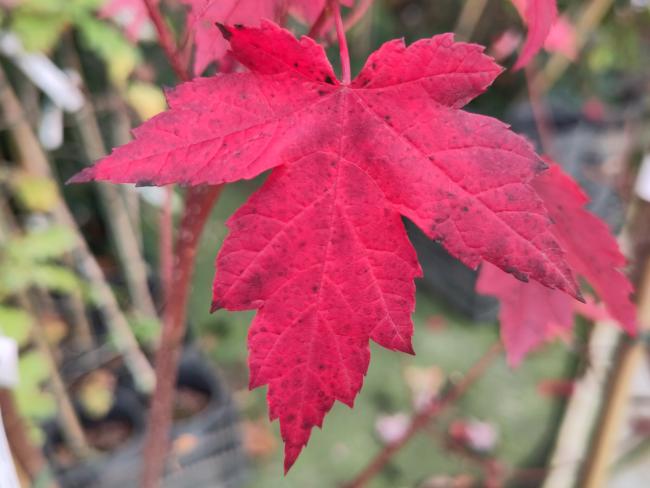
x=578 y=294
x=84 y=176
x=290 y=456
x=225 y=31
x=216 y=305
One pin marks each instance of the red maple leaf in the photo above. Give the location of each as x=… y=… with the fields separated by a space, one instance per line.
x=539 y=16
x=320 y=249
x=532 y=314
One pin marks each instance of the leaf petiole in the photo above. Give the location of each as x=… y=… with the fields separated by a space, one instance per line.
x=343 y=43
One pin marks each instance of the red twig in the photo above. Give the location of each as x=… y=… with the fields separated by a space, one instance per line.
x=422 y=418
x=166 y=230
x=316 y=30
x=199 y=202
x=166 y=40
x=357 y=14
x=348 y=23
x=343 y=43
x=540 y=113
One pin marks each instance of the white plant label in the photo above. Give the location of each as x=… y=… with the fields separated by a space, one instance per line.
x=642 y=186
x=8 y=477
x=8 y=363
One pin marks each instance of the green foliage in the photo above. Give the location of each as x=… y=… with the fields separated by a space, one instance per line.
x=34 y=193
x=41 y=245
x=107 y=42
x=41 y=23
x=15 y=323
x=146 y=330
x=33 y=401
x=28 y=261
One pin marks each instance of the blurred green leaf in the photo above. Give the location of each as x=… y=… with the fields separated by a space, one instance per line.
x=15 y=323
x=17 y=277
x=39 y=32
x=34 y=368
x=109 y=44
x=146 y=330
x=35 y=193
x=97 y=393
x=146 y=98
x=55 y=278
x=41 y=245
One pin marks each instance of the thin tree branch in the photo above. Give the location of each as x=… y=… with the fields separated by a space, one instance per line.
x=68 y=420
x=540 y=112
x=166 y=236
x=587 y=20
x=346 y=76
x=166 y=40
x=422 y=418
x=198 y=205
x=468 y=18
x=357 y=14
x=29 y=457
x=316 y=29
x=199 y=201
x=118 y=220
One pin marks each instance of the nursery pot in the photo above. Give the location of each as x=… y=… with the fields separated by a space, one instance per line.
x=205 y=443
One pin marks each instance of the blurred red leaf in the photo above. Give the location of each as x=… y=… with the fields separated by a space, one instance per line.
x=562 y=38
x=539 y=16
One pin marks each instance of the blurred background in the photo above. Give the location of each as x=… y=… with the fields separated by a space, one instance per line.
x=80 y=272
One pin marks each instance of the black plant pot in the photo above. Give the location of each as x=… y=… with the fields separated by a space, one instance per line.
x=206 y=445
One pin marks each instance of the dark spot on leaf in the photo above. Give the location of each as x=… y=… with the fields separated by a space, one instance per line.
x=329 y=80
x=464 y=209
